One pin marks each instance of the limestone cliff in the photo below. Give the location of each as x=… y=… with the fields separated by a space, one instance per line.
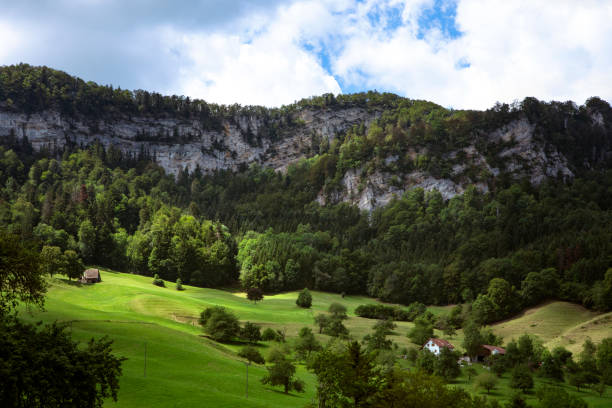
x=515 y=150
x=186 y=143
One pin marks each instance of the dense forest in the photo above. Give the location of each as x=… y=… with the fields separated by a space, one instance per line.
x=264 y=228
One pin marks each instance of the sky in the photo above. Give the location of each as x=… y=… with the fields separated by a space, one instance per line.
x=464 y=54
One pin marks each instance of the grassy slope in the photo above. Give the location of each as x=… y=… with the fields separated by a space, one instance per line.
x=558 y=323
x=186 y=370
x=183 y=368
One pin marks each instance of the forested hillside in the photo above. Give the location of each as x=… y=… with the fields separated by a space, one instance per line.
x=510 y=228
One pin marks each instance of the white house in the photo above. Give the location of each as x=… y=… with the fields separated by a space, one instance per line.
x=436 y=345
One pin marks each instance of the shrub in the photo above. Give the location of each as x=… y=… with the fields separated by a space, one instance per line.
x=304 y=299
x=322 y=320
x=338 y=311
x=251 y=354
x=335 y=328
x=251 y=332
x=487 y=381
x=255 y=294
x=219 y=324
x=521 y=378
x=269 y=335
x=421 y=332
x=179 y=284
x=556 y=397
x=282 y=373
x=384 y=312
x=158 y=282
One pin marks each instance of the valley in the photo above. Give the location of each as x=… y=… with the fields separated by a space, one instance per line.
x=186 y=369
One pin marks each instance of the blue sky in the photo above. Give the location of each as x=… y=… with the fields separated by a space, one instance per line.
x=459 y=53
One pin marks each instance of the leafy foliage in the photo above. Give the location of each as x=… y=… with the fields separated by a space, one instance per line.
x=20 y=274
x=158 y=282
x=255 y=295
x=282 y=372
x=73 y=376
x=121 y=211
x=304 y=299
x=220 y=324
x=251 y=354
x=251 y=332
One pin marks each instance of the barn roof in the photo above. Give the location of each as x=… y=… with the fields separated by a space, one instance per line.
x=441 y=343
x=500 y=350
x=91 y=273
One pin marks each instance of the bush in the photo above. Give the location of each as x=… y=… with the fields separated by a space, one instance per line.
x=158 y=282
x=219 y=324
x=282 y=373
x=251 y=354
x=179 y=284
x=335 y=328
x=556 y=397
x=255 y=294
x=421 y=332
x=521 y=378
x=269 y=335
x=338 y=311
x=304 y=299
x=487 y=381
x=384 y=312
x=251 y=332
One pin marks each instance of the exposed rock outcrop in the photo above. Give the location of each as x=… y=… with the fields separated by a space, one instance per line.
x=176 y=144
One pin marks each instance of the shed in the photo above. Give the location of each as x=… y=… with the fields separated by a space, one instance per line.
x=487 y=350
x=91 y=275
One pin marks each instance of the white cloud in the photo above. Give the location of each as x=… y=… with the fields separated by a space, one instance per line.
x=11 y=40
x=557 y=50
x=270 y=52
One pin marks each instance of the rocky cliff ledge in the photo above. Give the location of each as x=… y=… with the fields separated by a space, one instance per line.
x=186 y=143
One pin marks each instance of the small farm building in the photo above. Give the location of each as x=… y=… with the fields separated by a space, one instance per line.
x=91 y=275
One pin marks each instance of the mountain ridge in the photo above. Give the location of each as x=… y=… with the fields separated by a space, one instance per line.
x=412 y=143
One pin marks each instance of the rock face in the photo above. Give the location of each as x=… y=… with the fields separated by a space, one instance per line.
x=525 y=155
x=185 y=144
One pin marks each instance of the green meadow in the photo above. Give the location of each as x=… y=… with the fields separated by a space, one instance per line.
x=186 y=369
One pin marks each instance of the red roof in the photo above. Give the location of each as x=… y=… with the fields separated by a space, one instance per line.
x=500 y=350
x=441 y=343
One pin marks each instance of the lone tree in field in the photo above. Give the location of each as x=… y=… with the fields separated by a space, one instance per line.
x=446 y=365
x=470 y=372
x=521 y=378
x=219 y=324
x=73 y=266
x=487 y=381
x=422 y=331
x=335 y=328
x=251 y=332
x=322 y=321
x=282 y=373
x=255 y=295
x=269 y=335
x=157 y=281
x=338 y=311
x=304 y=299
x=306 y=343
x=251 y=354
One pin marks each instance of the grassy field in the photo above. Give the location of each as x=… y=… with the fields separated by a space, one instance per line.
x=558 y=323
x=185 y=369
